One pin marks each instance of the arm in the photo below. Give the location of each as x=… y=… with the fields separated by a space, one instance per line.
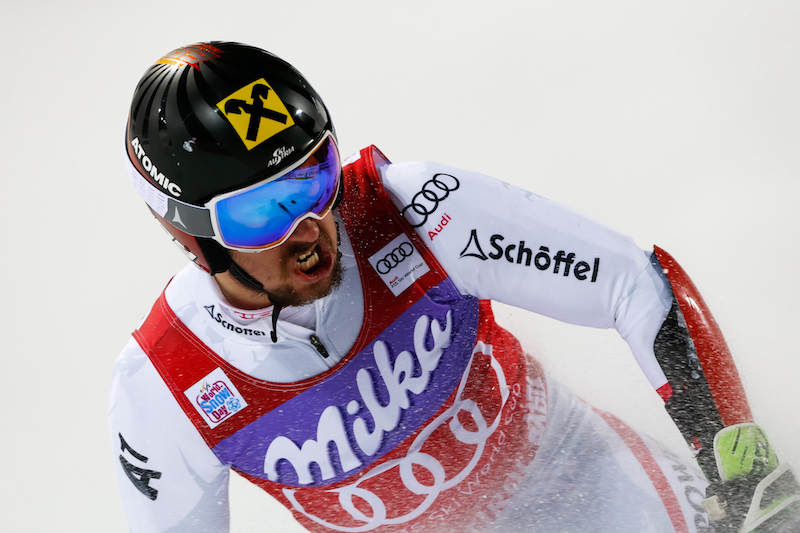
x=523 y=250
x=167 y=477
x=501 y=243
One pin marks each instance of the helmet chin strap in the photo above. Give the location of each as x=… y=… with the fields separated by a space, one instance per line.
x=276 y=309
x=241 y=276
x=219 y=260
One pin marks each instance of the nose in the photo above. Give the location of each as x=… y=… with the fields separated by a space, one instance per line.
x=306 y=231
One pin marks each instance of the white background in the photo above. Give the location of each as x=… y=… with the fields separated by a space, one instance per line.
x=675 y=121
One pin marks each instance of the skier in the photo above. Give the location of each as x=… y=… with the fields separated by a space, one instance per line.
x=336 y=347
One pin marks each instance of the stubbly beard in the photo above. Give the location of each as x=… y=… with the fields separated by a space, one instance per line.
x=289 y=297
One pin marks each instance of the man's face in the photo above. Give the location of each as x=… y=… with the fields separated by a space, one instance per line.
x=302 y=269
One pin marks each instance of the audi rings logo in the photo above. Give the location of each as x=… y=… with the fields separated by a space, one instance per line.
x=426 y=201
x=399 y=264
x=394 y=258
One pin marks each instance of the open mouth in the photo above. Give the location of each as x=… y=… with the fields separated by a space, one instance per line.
x=309 y=261
x=314 y=264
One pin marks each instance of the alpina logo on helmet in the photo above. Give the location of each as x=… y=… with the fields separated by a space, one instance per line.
x=191 y=55
x=159 y=177
x=256 y=113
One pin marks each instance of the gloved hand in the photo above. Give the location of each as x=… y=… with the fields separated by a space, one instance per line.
x=753 y=494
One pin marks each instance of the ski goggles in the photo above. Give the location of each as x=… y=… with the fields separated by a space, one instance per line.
x=261 y=216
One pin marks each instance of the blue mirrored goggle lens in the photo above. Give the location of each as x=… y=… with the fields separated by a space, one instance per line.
x=262 y=216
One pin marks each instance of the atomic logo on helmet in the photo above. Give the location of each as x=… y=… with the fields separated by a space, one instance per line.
x=159 y=177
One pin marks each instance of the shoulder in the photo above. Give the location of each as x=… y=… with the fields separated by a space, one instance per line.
x=135 y=381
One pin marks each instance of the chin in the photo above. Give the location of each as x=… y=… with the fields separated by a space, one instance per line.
x=319 y=289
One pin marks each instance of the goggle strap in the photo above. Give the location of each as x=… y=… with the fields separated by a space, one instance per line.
x=186 y=217
x=156 y=199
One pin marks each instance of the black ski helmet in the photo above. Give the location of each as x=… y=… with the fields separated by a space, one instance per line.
x=212 y=118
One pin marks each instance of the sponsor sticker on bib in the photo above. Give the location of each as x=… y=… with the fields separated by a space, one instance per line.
x=399 y=264
x=215 y=398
